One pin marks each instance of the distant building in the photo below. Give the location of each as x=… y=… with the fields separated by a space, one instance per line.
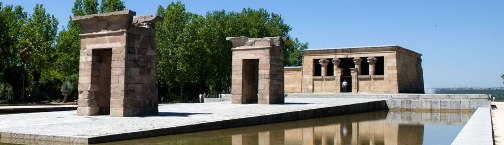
x=385 y=69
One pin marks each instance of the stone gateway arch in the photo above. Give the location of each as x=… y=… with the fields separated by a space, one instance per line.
x=257 y=70
x=117 y=74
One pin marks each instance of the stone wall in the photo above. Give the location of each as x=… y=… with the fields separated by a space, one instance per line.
x=419 y=102
x=325 y=84
x=141 y=97
x=292 y=76
x=410 y=73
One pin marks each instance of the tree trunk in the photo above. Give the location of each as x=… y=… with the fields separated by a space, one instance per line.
x=65 y=98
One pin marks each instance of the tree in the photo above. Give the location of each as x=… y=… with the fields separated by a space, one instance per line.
x=11 y=20
x=36 y=44
x=193 y=54
x=168 y=41
x=294 y=52
x=111 y=5
x=6 y=93
x=90 y=7
x=68 y=40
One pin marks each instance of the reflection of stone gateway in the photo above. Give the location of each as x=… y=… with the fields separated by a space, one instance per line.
x=117 y=74
x=258 y=75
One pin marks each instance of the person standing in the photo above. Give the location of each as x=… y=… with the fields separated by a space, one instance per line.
x=344 y=84
x=200 y=98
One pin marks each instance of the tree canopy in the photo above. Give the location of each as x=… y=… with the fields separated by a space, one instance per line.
x=27 y=48
x=193 y=54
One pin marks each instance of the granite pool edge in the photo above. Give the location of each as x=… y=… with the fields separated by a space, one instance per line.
x=478 y=130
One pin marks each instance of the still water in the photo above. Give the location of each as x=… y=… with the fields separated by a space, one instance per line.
x=375 y=128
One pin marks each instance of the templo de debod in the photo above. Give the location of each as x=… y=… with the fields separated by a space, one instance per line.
x=384 y=69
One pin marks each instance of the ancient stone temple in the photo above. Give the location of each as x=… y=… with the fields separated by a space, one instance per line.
x=117 y=74
x=257 y=70
x=386 y=69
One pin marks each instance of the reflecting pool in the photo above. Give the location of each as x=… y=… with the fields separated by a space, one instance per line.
x=375 y=128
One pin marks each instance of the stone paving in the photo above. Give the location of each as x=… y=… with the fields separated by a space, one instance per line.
x=36 y=108
x=66 y=126
x=477 y=131
x=497 y=122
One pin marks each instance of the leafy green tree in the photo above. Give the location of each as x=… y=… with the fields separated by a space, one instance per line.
x=11 y=20
x=68 y=40
x=90 y=7
x=111 y=5
x=193 y=54
x=168 y=40
x=294 y=52
x=37 y=41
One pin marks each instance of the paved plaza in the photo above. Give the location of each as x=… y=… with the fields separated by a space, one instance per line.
x=67 y=126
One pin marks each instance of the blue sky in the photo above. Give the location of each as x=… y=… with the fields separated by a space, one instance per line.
x=462 y=41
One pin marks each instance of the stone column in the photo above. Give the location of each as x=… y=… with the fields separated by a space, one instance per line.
x=324 y=63
x=355 y=80
x=308 y=136
x=337 y=74
x=336 y=63
x=372 y=63
x=355 y=133
x=245 y=139
x=357 y=61
x=337 y=135
x=275 y=137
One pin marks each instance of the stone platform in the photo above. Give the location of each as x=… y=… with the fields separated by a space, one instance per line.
x=407 y=102
x=35 y=108
x=66 y=127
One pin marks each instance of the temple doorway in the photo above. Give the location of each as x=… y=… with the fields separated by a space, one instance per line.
x=100 y=73
x=346 y=75
x=250 y=80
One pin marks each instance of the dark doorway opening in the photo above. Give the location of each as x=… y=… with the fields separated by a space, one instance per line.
x=317 y=68
x=100 y=74
x=250 y=82
x=380 y=66
x=364 y=66
x=330 y=68
x=346 y=75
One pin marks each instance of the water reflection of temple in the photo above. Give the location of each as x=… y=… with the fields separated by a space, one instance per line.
x=394 y=128
x=357 y=133
x=376 y=128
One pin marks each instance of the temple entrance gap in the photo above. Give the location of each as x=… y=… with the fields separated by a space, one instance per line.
x=102 y=61
x=250 y=80
x=346 y=75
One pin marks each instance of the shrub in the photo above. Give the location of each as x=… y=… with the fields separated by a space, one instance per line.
x=6 y=93
x=66 y=90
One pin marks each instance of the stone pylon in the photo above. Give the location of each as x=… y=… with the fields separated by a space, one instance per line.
x=117 y=73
